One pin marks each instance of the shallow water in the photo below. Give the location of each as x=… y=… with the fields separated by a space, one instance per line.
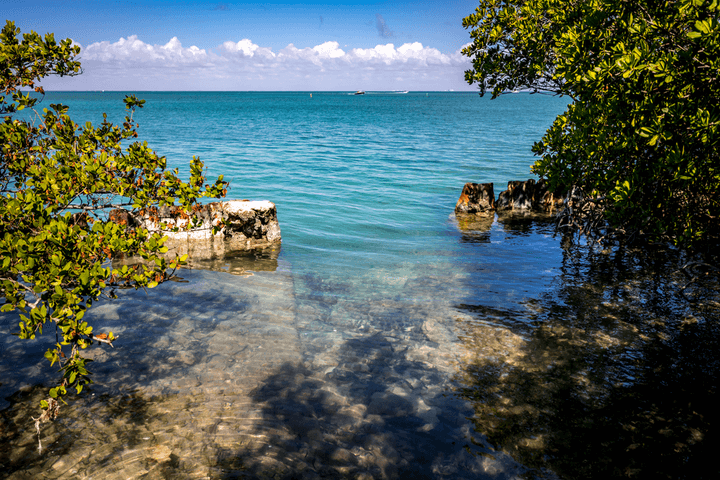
x=268 y=373
x=384 y=338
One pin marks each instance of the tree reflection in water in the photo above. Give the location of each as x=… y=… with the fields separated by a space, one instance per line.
x=611 y=374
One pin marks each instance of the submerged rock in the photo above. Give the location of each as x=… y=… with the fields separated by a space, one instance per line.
x=546 y=200
x=518 y=196
x=476 y=198
x=479 y=199
x=248 y=225
x=529 y=195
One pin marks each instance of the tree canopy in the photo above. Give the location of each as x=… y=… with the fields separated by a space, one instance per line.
x=58 y=183
x=641 y=137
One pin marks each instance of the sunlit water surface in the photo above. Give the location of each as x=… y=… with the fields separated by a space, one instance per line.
x=384 y=338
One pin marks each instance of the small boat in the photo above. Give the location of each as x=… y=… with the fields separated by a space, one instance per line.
x=359 y=92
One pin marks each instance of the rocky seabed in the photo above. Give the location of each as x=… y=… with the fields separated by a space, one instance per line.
x=255 y=376
x=259 y=374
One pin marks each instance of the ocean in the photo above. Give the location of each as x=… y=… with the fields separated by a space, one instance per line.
x=384 y=338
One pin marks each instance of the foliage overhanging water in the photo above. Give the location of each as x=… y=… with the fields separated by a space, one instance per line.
x=384 y=338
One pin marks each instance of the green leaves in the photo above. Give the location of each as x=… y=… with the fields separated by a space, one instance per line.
x=643 y=78
x=22 y=63
x=131 y=101
x=58 y=185
x=707 y=26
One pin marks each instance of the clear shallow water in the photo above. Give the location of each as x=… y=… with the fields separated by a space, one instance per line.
x=384 y=338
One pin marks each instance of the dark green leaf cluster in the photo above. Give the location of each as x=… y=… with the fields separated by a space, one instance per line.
x=642 y=134
x=58 y=183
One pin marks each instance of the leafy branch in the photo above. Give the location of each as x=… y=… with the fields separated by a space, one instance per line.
x=642 y=134
x=58 y=184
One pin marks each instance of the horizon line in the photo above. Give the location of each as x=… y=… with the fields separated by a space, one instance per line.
x=255 y=91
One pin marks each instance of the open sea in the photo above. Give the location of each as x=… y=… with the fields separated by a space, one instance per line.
x=384 y=338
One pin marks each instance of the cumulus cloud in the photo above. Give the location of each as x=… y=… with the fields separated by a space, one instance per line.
x=409 y=55
x=243 y=65
x=329 y=50
x=136 y=51
x=245 y=48
x=382 y=28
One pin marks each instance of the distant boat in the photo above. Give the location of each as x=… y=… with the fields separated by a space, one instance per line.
x=359 y=92
x=399 y=91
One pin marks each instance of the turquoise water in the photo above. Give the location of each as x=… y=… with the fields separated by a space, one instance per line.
x=359 y=301
x=364 y=185
x=384 y=338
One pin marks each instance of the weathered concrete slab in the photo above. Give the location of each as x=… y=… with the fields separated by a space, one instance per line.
x=248 y=225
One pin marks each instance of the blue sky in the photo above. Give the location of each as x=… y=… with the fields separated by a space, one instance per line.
x=272 y=45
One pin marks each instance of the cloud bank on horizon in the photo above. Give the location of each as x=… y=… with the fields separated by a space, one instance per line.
x=131 y=64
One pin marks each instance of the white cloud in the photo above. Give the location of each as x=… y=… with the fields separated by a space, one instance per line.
x=245 y=48
x=130 y=63
x=408 y=55
x=134 y=50
x=329 y=50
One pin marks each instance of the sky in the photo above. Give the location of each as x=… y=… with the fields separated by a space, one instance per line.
x=248 y=46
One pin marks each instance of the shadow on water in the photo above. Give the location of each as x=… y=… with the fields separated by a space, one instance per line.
x=598 y=369
x=610 y=374
x=372 y=400
x=224 y=377
x=108 y=421
x=363 y=419
x=175 y=343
